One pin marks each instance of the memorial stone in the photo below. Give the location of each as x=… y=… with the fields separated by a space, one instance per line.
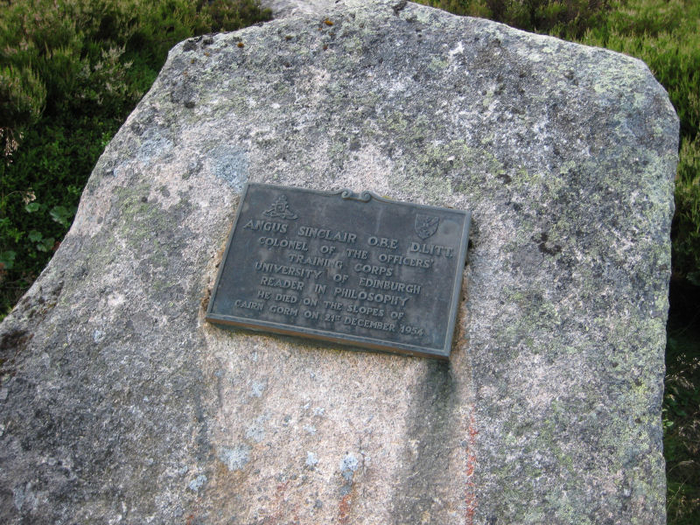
x=120 y=403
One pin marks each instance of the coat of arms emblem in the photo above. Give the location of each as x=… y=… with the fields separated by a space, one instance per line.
x=280 y=210
x=426 y=225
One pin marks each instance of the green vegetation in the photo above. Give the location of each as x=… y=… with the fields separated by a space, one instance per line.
x=563 y=18
x=71 y=71
x=682 y=407
x=665 y=34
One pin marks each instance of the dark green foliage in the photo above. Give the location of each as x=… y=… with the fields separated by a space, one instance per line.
x=70 y=73
x=563 y=18
x=24 y=97
x=686 y=235
x=682 y=407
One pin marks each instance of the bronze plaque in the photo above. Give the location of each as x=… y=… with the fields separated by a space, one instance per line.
x=354 y=269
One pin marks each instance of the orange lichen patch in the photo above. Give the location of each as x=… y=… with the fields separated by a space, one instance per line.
x=470 y=493
x=282 y=509
x=344 y=509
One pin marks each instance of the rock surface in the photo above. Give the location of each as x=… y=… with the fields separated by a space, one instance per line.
x=121 y=405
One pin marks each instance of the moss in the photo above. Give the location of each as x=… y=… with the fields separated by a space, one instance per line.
x=436 y=64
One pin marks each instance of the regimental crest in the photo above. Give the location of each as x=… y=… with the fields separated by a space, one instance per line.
x=426 y=225
x=280 y=210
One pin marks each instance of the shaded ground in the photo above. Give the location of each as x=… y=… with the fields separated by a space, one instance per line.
x=682 y=406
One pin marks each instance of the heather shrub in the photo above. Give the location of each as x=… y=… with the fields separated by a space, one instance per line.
x=563 y=18
x=70 y=73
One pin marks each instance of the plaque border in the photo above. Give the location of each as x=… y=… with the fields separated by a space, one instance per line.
x=356 y=342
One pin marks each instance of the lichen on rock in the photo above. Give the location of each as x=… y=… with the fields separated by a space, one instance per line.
x=120 y=402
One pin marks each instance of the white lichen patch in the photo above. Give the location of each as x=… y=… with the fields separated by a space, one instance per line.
x=235 y=458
